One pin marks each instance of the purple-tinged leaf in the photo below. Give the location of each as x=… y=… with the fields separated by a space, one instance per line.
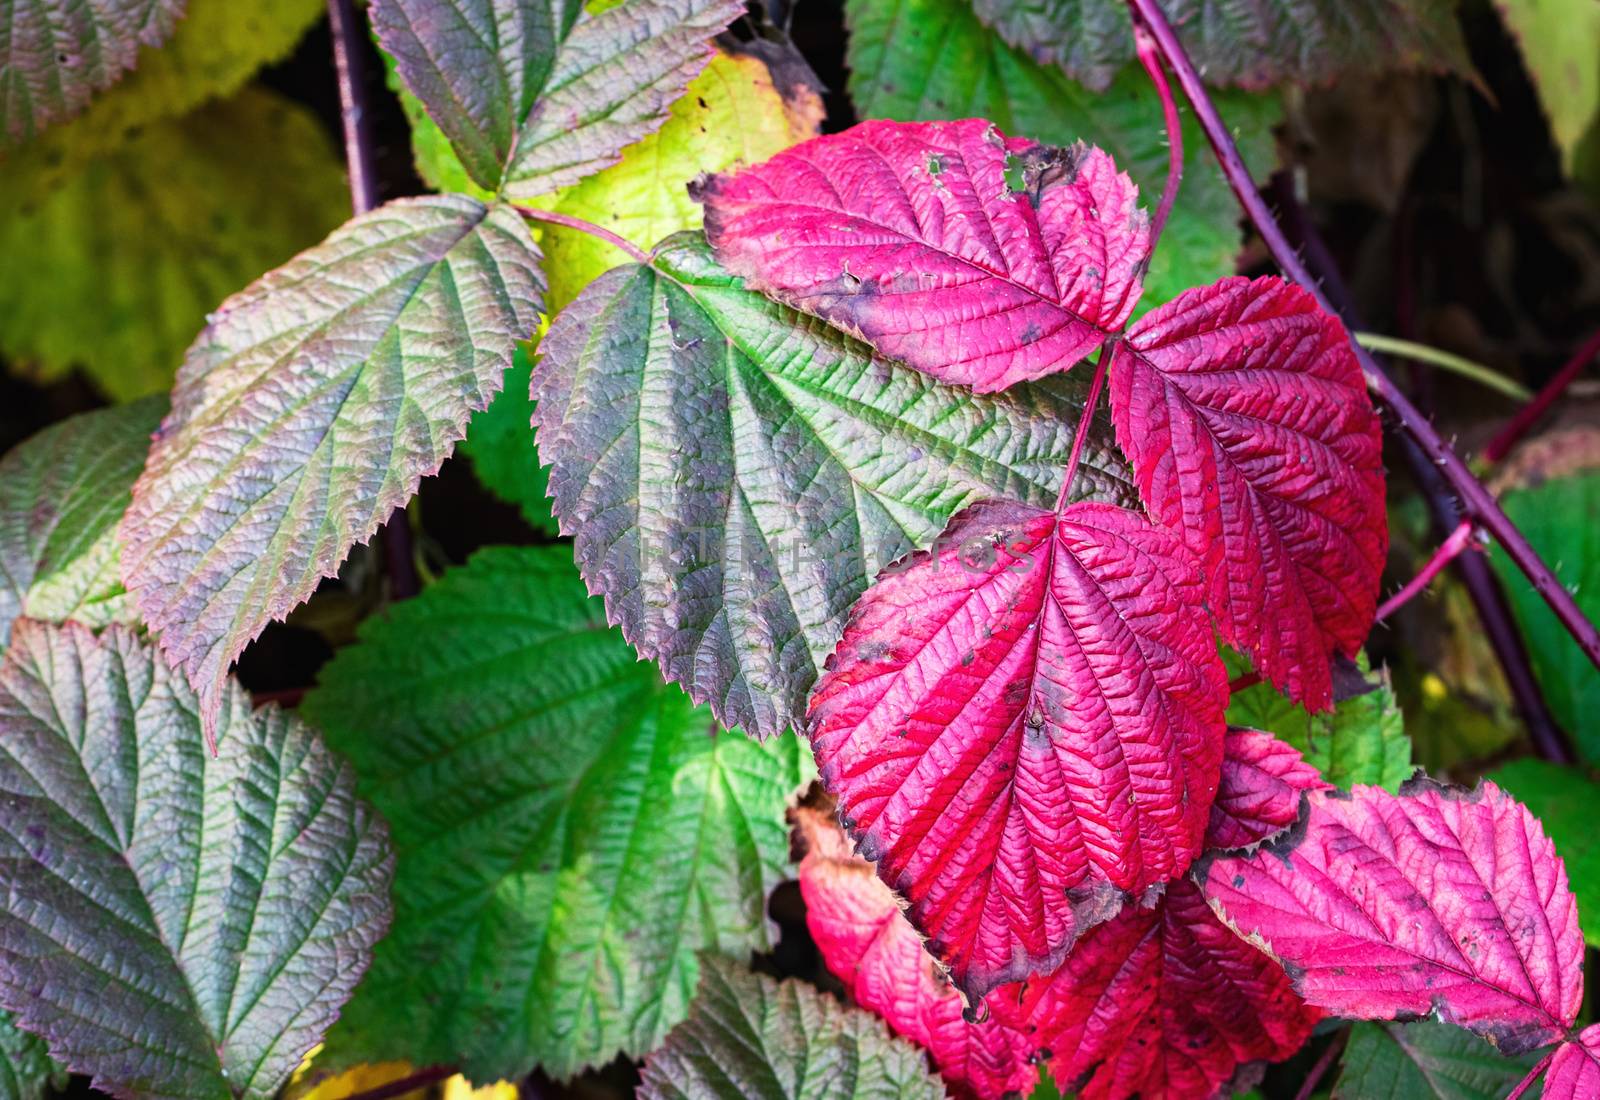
x=979 y=259
x=1259 y=793
x=1574 y=1072
x=1158 y=1003
x=1433 y=900
x=310 y=408
x=1247 y=420
x=1024 y=729
x=535 y=96
x=173 y=923
x=58 y=53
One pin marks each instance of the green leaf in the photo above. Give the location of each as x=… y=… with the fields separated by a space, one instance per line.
x=500 y=444
x=217 y=46
x=735 y=473
x=570 y=830
x=753 y=1037
x=112 y=269
x=26 y=1071
x=172 y=923
x=1558 y=46
x=1564 y=801
x=1363 y=739
x=1561 y=518
x=1385 y=1061
x=310 y=408
x=931 y=59
x=61 y=495
x=1253 y=45
x=535 y=96
x=60 y=52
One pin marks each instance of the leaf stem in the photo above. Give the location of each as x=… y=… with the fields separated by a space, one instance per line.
x=1447 y=552
x=1533 y=1075
x=1525 y=418
x=1320 y=1070
x=1082 y=434
x=1150 y=58
x=533 y=213
x=1476 y=500
x=1456 y=364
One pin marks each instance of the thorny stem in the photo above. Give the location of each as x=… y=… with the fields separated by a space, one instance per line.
x=533 y=213
x=1533 y=1075
x=399 y=555
x=1082 y=434
x=1509 y=436
x=1476 y=501
x=1323 y=1063
x=1150 y=58
x=1448 y=551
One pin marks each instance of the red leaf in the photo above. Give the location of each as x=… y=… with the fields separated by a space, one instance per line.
x=1575 y=1070
x=909 y=235
x=1434 y=900
x=1258 y=795
x=1023 y=727
x=1158 y=1002
x=870 y=946
x=1248 y=424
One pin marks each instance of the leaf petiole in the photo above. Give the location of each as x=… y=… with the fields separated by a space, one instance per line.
x=1456 y=364
x=533 y=213
x=1089 y=403
x=1150 y=58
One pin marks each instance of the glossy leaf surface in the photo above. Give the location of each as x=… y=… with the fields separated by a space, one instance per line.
x=734 y=472
x=868 y=944
x=310 y=408
x=174 y=924
x=1024 y=728
x=753 y=1037
x=570 y=831
x=1434 y=900
x=1251 y=434
x=1424 y=1059
x=1258 y=795
x=979 y=259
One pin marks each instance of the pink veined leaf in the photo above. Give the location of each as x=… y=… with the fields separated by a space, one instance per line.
x=979 y=259
x=1574 y=1072
x=1024 y=728
x=1258 y=795
x=1159 y=1002
x=1247 y=421
x=1433 y=900
x=870 y=946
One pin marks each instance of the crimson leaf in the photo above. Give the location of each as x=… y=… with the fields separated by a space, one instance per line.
x=1244 y=412
x=1433 y=900
x=870 y=946
x=1024 y=728
x=1259 y=792
x=1158 y=1002
x=1574 y=1072
x=977 y=258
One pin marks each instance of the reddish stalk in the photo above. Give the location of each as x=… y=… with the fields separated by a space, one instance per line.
x=1448 y=550
x=1529 y=415
x=533 y=213
x=1533 y=1075
x=1477 y=503
x=1323 y=1064
x=1082 y=434
x=1239 y=683
x=1150 y=58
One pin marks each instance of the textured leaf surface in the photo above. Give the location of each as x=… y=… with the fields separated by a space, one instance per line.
x=1361 y=740
x=112 y=269
x=310 y=408
x=1564 y=801
x=753 y=1037
x=536 y=96
x=917 y=238
x=60 y=52
x=570 y=831
x=868 y=944
x=932 y=59
x=1252 y=45
x=734 y=472
x=1258 y=795
x=26 y=1071
x=1434 y=900
x=1160 y=1002
x=1024 y=727
x=1252 y=436
x=174 y=924
x=1561 y=518
x=61 y=495
x=1424 y=1059
x=1574 y=1073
